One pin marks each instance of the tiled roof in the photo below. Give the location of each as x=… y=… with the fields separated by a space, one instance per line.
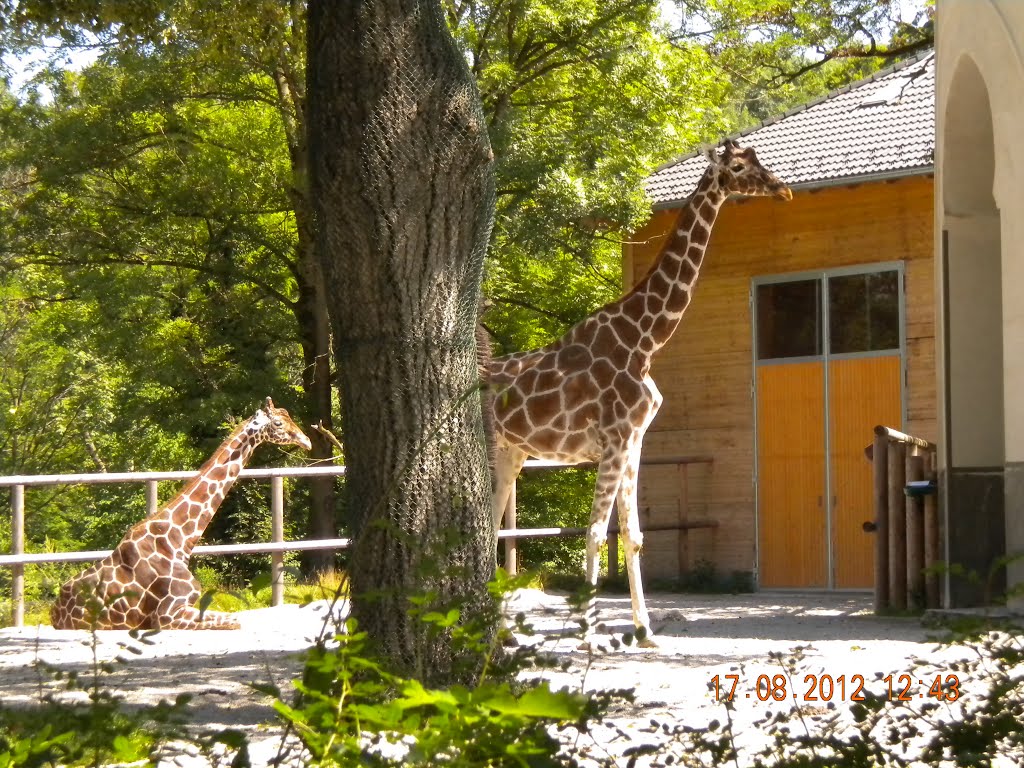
x=883 y=125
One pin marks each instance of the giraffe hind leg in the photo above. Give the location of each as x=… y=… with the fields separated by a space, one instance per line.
x=632 y=543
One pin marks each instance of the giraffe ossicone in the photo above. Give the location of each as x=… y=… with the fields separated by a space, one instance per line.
x=589 y=397
x=145 y=582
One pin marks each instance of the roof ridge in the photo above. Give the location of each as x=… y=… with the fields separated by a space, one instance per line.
x=877 y=75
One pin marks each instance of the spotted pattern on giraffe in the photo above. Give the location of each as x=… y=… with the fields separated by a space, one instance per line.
x=145 y=582
x=588 y=396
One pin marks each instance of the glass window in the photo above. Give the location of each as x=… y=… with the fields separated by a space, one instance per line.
x=864 y=312
x=789 y=319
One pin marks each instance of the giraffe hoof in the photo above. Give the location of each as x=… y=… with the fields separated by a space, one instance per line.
x=646 y=642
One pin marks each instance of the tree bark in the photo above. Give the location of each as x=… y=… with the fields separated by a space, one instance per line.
x=404 y=192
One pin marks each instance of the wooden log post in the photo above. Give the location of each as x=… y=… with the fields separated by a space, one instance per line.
x=897 y=526
x=684 y=516
x=915 y=535
x=880 y=471
x=931 y=551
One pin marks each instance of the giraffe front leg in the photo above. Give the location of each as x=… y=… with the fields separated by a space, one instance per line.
x=178 y=611
x=188 y=617
x=632 y=542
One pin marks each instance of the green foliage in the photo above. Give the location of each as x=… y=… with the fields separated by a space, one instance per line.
x=582 y=99
x=781 y=54
x=487 y=724
x=147 y=268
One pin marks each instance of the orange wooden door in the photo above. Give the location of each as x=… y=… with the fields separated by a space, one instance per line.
x=862 y=392
x=792 y=538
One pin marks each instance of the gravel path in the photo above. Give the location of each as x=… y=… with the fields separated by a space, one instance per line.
x=698 y=636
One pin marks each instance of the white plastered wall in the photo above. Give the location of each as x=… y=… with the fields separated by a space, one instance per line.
x=987 y=35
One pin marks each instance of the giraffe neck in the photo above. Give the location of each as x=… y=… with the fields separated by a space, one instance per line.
x=193 y=508
x=658 y=301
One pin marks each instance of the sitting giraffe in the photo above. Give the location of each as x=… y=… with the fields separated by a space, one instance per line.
x=589 y=396
x=145 y=582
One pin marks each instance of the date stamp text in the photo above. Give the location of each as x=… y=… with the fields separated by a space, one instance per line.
x=825 y=688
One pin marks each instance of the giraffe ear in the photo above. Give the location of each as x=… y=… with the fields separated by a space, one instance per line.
x=711 y=153
x=729 y=148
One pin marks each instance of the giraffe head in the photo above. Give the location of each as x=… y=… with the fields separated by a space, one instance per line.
x=276 y=426
x=740 y=173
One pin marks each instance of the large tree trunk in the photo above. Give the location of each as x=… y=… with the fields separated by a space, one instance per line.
x=402 y=180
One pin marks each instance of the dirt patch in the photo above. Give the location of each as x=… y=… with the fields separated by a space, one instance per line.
x=699 y=637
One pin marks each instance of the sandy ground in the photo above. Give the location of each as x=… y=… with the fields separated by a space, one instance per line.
x=698 y=637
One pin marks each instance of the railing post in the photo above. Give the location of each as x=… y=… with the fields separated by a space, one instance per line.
x=931 y=549
x=151 y=488
x=277 y=535
x=897 y=526
x=511 y=547
x=18 y=548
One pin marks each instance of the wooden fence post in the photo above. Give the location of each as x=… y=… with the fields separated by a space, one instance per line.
x=880 y=471
x=277 y=535
x=897 y=526
x=18 y=548
x=915 y=535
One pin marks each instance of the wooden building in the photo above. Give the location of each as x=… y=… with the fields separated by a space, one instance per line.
x=812 y=322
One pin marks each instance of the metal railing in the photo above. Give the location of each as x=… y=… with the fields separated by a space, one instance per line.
x=18 y=559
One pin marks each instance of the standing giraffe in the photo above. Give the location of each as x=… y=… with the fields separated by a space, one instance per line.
x=145 y=582
x=588 y=397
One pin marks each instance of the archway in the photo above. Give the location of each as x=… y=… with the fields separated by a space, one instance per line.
x=974 y=499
